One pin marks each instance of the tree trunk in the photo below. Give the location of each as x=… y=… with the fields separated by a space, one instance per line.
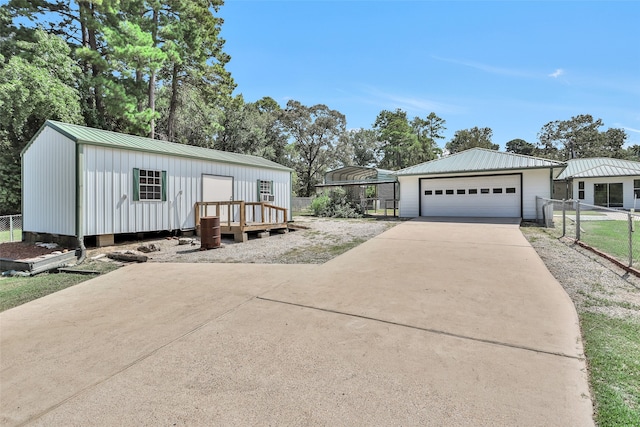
x=152 y=80
x=152 y=103
x=93 y=45
x=173 y=103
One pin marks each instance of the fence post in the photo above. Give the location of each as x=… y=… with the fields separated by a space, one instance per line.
x=578 y=220
x=11 y=228
x=564 y=219
x=630 y=239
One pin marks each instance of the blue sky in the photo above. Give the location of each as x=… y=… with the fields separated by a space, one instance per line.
x=512 y=66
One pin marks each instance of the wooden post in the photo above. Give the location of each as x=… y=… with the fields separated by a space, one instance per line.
x=197 y=209
x=243 y=216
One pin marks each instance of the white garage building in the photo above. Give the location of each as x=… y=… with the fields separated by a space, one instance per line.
x=477 y=183
x=79 y=182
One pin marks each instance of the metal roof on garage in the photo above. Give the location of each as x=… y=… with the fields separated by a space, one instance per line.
x=357 y=175
x=599 y=167
x=91 y=136
x=478 y=160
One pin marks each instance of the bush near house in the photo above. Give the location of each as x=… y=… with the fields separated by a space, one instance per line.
x=335 y=204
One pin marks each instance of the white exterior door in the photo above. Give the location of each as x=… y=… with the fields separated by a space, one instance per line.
x=217 y=188
x=497 y=196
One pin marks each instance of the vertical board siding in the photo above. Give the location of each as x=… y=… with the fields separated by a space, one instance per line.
x=49 y=185
x=535 y=183
x=109 y=204
x=409 y=196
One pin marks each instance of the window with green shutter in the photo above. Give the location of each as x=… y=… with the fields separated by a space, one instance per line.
x=149 y=185
x=265 y=191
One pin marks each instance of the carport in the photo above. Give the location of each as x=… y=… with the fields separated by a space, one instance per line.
x=356 y=179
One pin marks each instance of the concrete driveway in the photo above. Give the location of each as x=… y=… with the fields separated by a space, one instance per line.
x=430 y=323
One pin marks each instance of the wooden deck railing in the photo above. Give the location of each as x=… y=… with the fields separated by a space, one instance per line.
x=246 y=216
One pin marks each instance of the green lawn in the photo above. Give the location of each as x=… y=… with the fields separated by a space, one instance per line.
x=15 y=291
x=612 y=347
x=5 y=236
x=611 y=237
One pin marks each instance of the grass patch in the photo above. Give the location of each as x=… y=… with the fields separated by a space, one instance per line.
x=610 y=237
x=612 y=347
x=5 y=236
x=15 y=291
x=318 y=254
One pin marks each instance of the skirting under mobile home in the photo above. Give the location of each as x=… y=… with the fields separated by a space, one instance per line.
x=79 y=182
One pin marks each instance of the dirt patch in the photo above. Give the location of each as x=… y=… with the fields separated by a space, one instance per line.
x=21 y=250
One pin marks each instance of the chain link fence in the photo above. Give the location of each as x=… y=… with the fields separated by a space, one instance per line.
x=609 y=231
x=10 y=228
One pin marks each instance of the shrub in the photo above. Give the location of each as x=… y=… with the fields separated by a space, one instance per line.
x=320 y=205
x=335 y=204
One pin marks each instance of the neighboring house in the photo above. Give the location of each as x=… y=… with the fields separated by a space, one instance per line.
x=613 y=183
x=355 y=180
x=477 y=183
x=79 y=181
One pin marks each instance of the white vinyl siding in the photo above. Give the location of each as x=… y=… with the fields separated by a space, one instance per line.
x=49 y=185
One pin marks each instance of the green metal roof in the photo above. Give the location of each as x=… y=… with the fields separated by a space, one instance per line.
x=357 y=175
x=478 y=160
x=91 y=136
x=599 y=167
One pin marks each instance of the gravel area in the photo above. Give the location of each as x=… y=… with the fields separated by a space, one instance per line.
x=320 y=240
x=593 y=283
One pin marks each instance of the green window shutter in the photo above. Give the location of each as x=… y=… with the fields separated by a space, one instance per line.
x=136 y=184
x=258 y=189
x=164 y=186
x=271 y=188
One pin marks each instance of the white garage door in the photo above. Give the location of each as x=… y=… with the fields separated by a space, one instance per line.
x=483 y=196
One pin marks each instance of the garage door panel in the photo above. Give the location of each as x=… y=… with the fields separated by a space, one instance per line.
x=485 y=196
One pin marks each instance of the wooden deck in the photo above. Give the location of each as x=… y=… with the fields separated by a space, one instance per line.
x=240 y=217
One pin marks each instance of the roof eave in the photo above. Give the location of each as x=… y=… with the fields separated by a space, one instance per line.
x=480 y=170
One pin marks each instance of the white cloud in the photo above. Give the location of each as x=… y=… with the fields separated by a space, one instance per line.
x=631 y=129
x=557 y=73
x=488 y=68
x=411 y=104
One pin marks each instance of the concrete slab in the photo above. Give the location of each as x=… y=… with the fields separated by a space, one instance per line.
x=482 y=281
x=55 y=347
x=306 y=367
x=427 y=324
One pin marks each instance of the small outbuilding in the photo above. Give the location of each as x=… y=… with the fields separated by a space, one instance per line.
x=79 y=182
x=613 y=183
x=477 y=183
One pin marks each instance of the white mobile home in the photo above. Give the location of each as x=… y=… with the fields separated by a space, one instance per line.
x=79 y=181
